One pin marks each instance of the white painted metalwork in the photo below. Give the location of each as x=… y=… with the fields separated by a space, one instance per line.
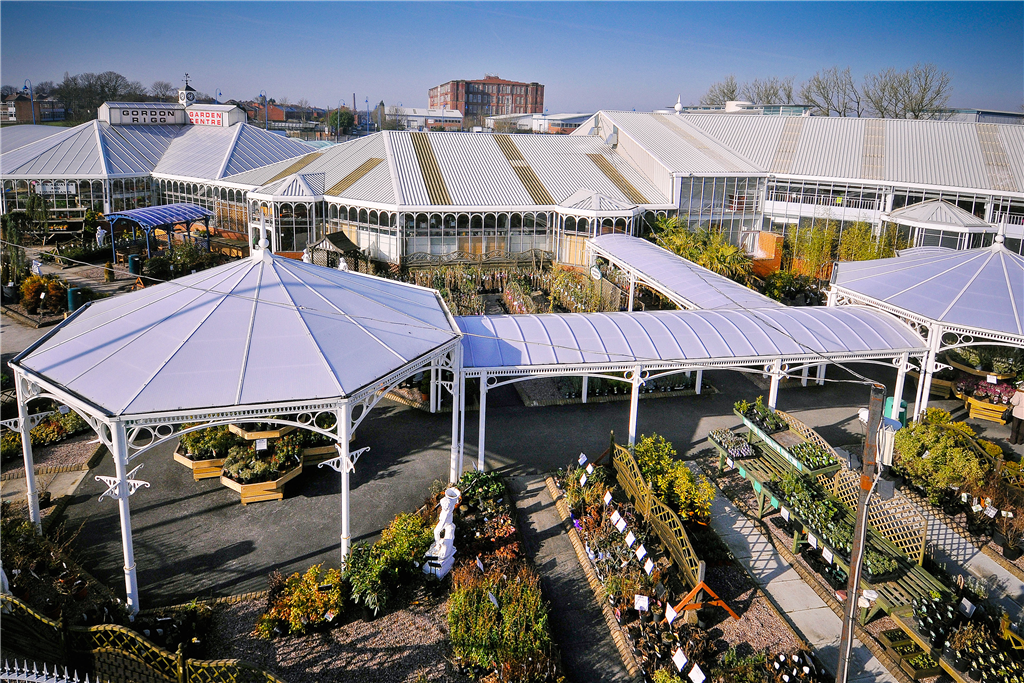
x=117 y=491
x=20 y=673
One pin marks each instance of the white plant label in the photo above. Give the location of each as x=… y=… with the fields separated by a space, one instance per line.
x=649 y=566
x=991 y=511
x=812 y=540
x=615 y=516
x=679 y=659
x=827 y=555
x=696 y=675
x=729 y=462
x=493 y=599
x=785 y=514
x=590 y=469
x=641 y=552
x=670 y=614
x=583 y=459
x=261 y=444
x=608 y=498
x=621 y=525
x=641 y=603
x=630 y=539
x=479 y=564
x=583 y=480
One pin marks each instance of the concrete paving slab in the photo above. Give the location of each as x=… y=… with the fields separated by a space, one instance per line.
x=790 y=598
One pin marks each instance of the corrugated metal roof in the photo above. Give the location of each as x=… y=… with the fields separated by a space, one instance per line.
x=588 y=200
x=214 y=152
x=979 y=288
x=257 y=330
x=546 y=340
x=1012 y=138
x=13 y=137
x=302 y=185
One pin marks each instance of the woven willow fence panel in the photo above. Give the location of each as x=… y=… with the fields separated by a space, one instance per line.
x=114 y=653
x=897 y=518
x=662 y=519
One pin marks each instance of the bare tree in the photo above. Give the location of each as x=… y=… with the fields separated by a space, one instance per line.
x=163 y=91
x=44 y=89
x=769 y=91
x=915 y=93
x=7 y=90
x=832 y=91
x=303 y=105
x=721 y=92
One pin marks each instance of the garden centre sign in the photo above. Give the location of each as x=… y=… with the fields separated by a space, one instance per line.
x=57 y=187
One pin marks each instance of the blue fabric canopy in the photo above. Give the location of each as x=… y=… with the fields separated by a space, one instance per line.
x=156 y=216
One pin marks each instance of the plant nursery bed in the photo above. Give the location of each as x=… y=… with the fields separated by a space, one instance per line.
x=201 y=469
x=70 y=454
x=403 y=646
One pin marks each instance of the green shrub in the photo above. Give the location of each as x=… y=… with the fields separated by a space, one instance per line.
x=671 y=480
x=213 y=442
x=374 y=573
x=305 y=602
x=935 y=453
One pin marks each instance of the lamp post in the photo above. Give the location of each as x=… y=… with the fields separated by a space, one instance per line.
x=31 y=100
x=266 y=110
x=218 y=96
x=367 y=115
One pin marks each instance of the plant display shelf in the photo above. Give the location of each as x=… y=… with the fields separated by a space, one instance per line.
x=903 y=616
x=941 y=388
x=909 y=581
x=782 y=442
x=265 y=434
x=977 y=373
x=264 y=490
x=201 y=469
x=983 y=410
x=318 y=454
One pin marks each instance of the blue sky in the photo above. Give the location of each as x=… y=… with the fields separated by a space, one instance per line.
x=609 y=55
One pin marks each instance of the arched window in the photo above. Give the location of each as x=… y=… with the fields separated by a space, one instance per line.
x=224 y=194
x=363 y=216
x=421 y=224
x=449 y=224
x=542 y=222
x=118 y=187
x=353 y=215
x=490 y=224
x=570 y=224
x=620 y=225
x=373 y=220
x=409 y=221
x=476 y=223
x=528 y=222
x=607 y=226
x=301 y=211
x=462 y=226
x=502 y=222
x=334 y=211
x=517 y=221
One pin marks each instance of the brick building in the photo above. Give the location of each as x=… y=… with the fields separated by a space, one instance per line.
x=488 y=96
x=17 y=108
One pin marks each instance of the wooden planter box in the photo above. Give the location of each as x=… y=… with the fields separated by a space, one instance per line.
x=918 y=674
x=317 y=454
x=942 y=388
x=976 y=373
x=265 y=490
x=252 y=436
x=983 y=410
x=201 y=469
x=894 y=638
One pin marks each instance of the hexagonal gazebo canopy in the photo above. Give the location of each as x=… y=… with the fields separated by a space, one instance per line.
x=265 y=339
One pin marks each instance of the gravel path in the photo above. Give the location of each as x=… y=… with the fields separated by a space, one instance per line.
x=74 y=451
x=405 y=646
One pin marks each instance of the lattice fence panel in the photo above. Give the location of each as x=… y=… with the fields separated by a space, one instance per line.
x=28 y=632
x=897 y=519
x=132 y=645
x=663 y=520
x=807 y=433
x=227 y=671
x=112 y=665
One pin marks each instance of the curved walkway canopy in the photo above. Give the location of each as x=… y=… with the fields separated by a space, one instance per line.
x=682 y=281
x=159 y=216
x=954 y=298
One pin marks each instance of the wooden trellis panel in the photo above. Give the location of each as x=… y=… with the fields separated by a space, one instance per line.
x=663 y=519
x=807 y=433
x=897 y=518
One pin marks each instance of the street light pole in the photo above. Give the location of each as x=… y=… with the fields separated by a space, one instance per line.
x=31 y=100
x=867 y=485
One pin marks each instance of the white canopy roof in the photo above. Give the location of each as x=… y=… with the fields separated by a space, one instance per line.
x=938 y=214
x=982 y=289
x=684 y=282
x=670 y=337
x=260 y=330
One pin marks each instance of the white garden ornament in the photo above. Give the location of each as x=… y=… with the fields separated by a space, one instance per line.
x=441 y=554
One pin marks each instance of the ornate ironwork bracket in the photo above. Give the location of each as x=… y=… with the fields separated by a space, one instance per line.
x=14 y=424
x=115 y=492
x=336 y=463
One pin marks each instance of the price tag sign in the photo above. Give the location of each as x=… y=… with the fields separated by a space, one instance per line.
x=679 y=659
x=1006 y=513
x=812 y=540
x=590 y=469
x=827 y=555
x=730 y=463
x=621 y=525
x=583 y=480
x=976 y=508
x=991 y=512
x=607 y=497
x=696 y=675
x=964 y=497
x=479 y=564
x=583 y=459
x=493 y=599
x=261 y=444
x=670 y=614
x=785 y=514
x=630 y=539
x=641 y=603
x=649 y=566
x=641 y=552
x=616 y=517
x=991 y=379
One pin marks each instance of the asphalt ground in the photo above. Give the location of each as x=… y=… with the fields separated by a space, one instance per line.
x=196 y=539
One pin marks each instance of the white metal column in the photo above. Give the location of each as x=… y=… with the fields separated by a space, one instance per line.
x=632 y=289
x=433 y=386
x=934 y=339
x=583 y=395
x=803 y=375
x=483 y=423
x=820 y=375
x=119 y=441
x=26 y=450
x=773 y=391
x=454 y=471
x=344 y=423
x=462 y=419
x=634 y=401
x=897 y=392
x=699 y=381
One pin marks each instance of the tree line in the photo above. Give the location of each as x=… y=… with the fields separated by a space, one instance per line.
x=920 y=91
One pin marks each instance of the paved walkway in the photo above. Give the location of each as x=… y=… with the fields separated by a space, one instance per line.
x=818 y=624
x=588 y=651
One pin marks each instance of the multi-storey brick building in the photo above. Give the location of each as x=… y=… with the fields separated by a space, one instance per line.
x=488 y=96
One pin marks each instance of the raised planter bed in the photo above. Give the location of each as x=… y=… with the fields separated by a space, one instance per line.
x=267 y=434
x=318 y=454
x=983 y=410
x=264 y=490
x=977 y=373
x=918 y=674
x=201 y=469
